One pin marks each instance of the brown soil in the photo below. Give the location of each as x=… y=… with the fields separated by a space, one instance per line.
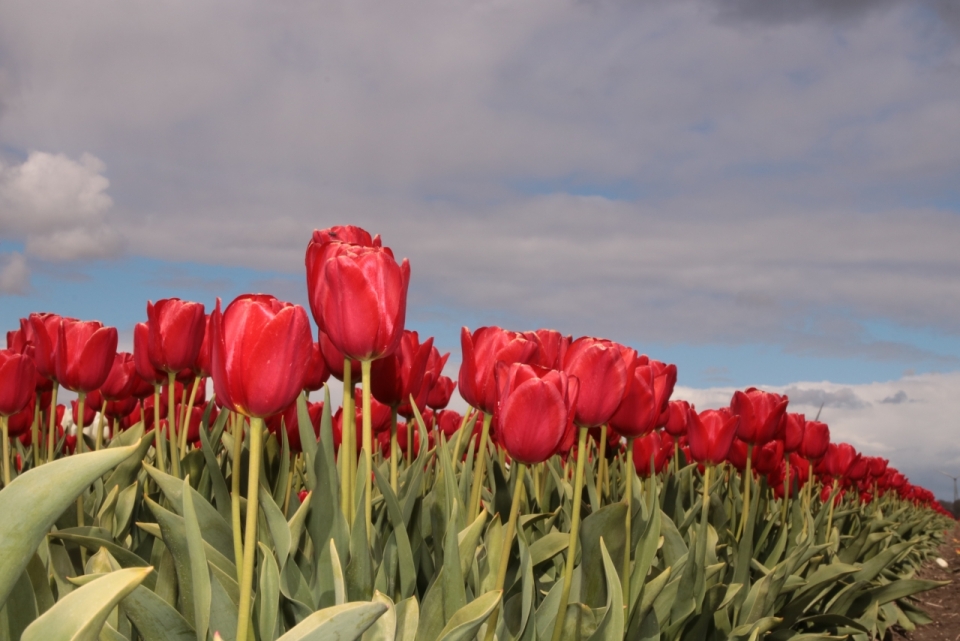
x=942 y=604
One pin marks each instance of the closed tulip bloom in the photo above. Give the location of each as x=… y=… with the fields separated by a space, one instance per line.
x=602 y=372
x=176 y=329
x=482 y=350
x=290 y=419
x=317 y=370
x=22 y=341
x=839 y=459
x=552 y=346
x=141 y=356
x=639 y=409
x=261 y=349
x=448 y=422
x=17 y=377
x=21 y=422
x=711 y=434
x=431 y=374
x=768 y=457
x=816 y=438
x=203 y=365
x=665 y=379
x=737 y=456
x=334 y=358
x=46 y=333
x=857 y=471
x=395 y=377
x=318 y=251
x=877 y=466
x=533 y=410
x=651 y=446
x=122 y=379
x=85 y=353
x=360 y=299
x=679 y=418
x=791 y=431
x=440 y=393
x=760 y=414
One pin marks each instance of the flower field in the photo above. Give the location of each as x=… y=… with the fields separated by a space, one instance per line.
x=574 y=500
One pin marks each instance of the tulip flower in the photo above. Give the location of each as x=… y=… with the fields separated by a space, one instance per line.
x=791 y=431
x=122 y=379
x=602 y=372
x=646 y=397
x=448 y=422
x=17 y=377
x=655 y=446
x=760 y=414
x=317 y=370
x=664 y=378
x=816 y=438
x=441 y=393
x=711 y=434
x=291 y=422
x=22 y=341
x=85 y=353
x=768 y=457
x=552 y=345
x=21 y=422
x=175 y=333
x=318 y=251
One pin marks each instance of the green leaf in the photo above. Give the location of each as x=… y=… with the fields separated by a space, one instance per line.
x=548 y=546
x=268 y=595
x=221 y=492
x=408 y=618
x=451 y=577
x=80 y=615
x=385 y=628
x=199 y=573
x=466 y=621
x=341 y=622
x=607 y=522
x=156 y=620
x=611 y=627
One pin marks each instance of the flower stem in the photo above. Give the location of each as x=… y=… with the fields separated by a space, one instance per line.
x=103 y=413
x=747 y=482
x=602 y=460
x=478 y=470
x=367 y=446
x=394 y=450
x=35 y=434
x=347 y=451
x=81 y=400
x=6 y=451
x=574 y=533
x=237 y=425
x=628 y=498
x=172 y=423
x=161 y=459
x=507 y=546
x=52 y=421
x=787 y=488
x=185 y=416
x=250 y=533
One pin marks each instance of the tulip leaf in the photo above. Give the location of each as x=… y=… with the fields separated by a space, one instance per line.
x=277 y=524
x=451 y=577
x=342 y=622
x=38 y=498
x=607 y=522
x=199 y=573
x=611 y=626
x=221 y=492
x=384 y=628
x=408 y=573
x=80 y=615
x=268 y=596
x=466 y=621
x=359 y=572
x=548 y=546
x=156 y=620
x=408 y=619
x=223 y=609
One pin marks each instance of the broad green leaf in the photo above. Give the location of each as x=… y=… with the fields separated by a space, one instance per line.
x=156 y=620
x=384 y=628
x=80 y=615
x=548 y=546
x=341 y=622
x=466 y=621
x=199 y=573
x=38 y=498
x=268 y=596
x=607 y=522
x=611 y=627
x=408 y=618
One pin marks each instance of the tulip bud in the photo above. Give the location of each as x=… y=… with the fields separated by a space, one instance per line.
x=85 y=353
x=482 y=350
x=760 y=414
x=17 y=377
x=176 y=330
x=599 y=366
x=711 y=434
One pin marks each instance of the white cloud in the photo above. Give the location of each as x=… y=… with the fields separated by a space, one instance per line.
x=59 y=206
x=919 y=436
x=14 y=274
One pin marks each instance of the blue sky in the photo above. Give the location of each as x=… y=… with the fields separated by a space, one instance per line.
x=763 y=193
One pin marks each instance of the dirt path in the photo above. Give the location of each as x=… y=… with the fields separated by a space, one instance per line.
x=942 y=604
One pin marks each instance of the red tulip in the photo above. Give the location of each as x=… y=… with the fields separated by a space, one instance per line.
x=291 y=421
x=202 y=366
x=431 y=374
x=22 y=341
x=534 y=408
x=791 y=431
x=816 y=438
x=334 y=359
x=89 y=413
x=602 y=372
x=141 y=356
x=359 y=299
x=737 y=456
x=646 y=399
x=440 y=393
x=679 y=419
x=448 y=421
x=760 y=414
x=877 y=466
x=396 y=376
x=17 y=377
x=711 y=434
x=380 y=416
x=176 y=331
x=839 y=458
x=665 y=379
x=122 y=380
x=261 y=349
x=553 y=344
x=46 y=333
x=655 y=445
x=22 y=421
x=481 y=352
x=317 y=370
x=319 y=250
x=85 y=352
x=120 y=409
x=768 y=457
x=181 y=393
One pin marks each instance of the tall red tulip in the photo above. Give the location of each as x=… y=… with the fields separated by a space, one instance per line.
x=482 y=350
x=203 y=366
x=655 y=445
x=141 y=356
x=317 y=370
x=816 y=438
x=711 y=434
x=395 y=377
x=440 y=393
x=359 y=299
x=602 y=372
x=646 y=399
x=46 y=333
x=760 y=414
x=791 y=431
x=448 y=422
x=318 y=251
x=17 y=376
x=534 y=408
x=176 y=330
x=679 y=420
x=768 y=456
x=85 y=353
x=553 y=344
x=261 y=348
x=122 y=380
x=665 y=379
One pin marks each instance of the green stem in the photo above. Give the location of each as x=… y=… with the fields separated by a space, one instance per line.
x=507 y=546
x=35 y=433
x=628 y=498
x=103 y=412
x=478 y=470
x=394 y=450
x=250 y=533
x=574 y=533
x=237 y=424
x=161 y=459
x=833 y=501
x=786 y=490
x=367 y=446
x=747 y=482
x=185 y=416
x=347 y=452
x=6 y=451
x=52 y=421
x=81 y=401
x=602 y=461
x=172 y=423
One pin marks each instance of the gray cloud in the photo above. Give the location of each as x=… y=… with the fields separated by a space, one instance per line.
x=845 y=398
x=14 y=274
x=896 y=399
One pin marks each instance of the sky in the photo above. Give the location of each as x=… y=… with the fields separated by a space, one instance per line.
x=764 y=193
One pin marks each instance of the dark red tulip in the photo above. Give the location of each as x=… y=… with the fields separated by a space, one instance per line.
x=22 y=341
x=448 y=421
x=768 y=457
x=440 y=393
x=839 y=458
x=291 y=422
x=679 y=418
x=402 y=428
x=261 y=349
x=319 y=250
x=380 y=416
x=737 y=456
x=711 y=434
x=317 y=370
x=877 y=466
x=141 y=356
x=665 y=379
x=760 y=414
x=85 y=352
x=639 y=409
x=651 y=446
x=203 y=364
x=89 y=413
x=122 y=380
x=533 y=409
x=857 y=471
x=816 y=438
x=46 y=333
x=359 y=298
x=334 y=359
x=17 y=377
x=120 y=409
x=396 y=376
x=482 y=350
x=431 y=374
x=176 y=329
x=791 y=431
x=602 y=372
x=22 y=421
x=552 y=346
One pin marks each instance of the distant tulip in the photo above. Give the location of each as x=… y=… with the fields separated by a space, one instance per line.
x=21 y=422
x=141 y=356
x=46 y=333
x=448 y=421
x=816 y=438
x=482 y=350
x=711 y=433
x=261 y=348
x=440 y=393
x=23 y=341
x=655 y=445
x=396 y=376
x=17 y=377
x=877 y=466
x=679 y=418
x=534 y=408
x=760 y=414
x=768 y=457
x=602 y=372
x=122 y=380
x=202 y=366
x=839 y=458
x=380 y=418
x=317 y=370
x=645 y=400
x=85 y=353
x=176 y=330
x=665 y=379
x=290 y=418
x=334 y=359
x=791 y=432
